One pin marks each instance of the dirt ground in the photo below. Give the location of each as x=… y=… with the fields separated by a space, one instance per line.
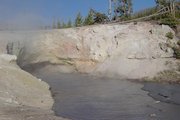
x=16 y=112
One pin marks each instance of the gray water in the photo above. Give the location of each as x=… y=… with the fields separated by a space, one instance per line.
x=169 y=93
x=83 y=97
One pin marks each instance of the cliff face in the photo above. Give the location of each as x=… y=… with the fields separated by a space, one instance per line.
x=132 y=51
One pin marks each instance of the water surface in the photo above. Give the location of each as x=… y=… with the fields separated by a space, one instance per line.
x=81 y=97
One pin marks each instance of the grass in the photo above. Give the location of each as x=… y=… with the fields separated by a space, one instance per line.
x=169 y=35
x=167 y=76
x=145 y=12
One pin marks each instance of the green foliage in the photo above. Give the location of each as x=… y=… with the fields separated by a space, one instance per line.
x=54 y=25
x=64 y=25
x=69 y=24
x=145 y=12
x=177 y=8
x=89 y=19
x=162 y=2
x=177 y=52
x=58 y=25
x=123 y=8
x=99 y=17
x=79 y=20
x=171 y=18
x=169 y=35
x=178 y=42
x=178 y=67
x=168 y=19
x=124 y=18
x=171 y=76
x=177 y=14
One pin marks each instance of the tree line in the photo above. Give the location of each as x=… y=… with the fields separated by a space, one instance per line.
x=93 y=17
x=122 y=11
x=59 y=25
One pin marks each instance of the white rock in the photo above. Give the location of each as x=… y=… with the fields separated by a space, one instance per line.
x=157 y=102
x=9 y=100
x=8 y=58
x=153 y=115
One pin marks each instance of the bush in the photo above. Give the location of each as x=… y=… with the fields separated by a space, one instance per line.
x=178 y=67
x=169 y=20
x=171 y=76
x=100 y=18
x=89 y=19
x=145 y=12
x=169 y=35
x=177 y=52
x=78 y=20
x=178 y=42
x=178 y=14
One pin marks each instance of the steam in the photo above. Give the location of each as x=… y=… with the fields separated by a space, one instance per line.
x=23 y=21
x=19 y=31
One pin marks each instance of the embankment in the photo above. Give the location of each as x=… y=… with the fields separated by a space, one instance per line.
x=22 y=96
x=132 y=51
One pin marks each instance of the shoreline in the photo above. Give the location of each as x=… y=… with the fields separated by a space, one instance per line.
x=23 y=96
x=71 y=102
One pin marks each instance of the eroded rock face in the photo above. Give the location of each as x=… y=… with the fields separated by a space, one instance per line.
x=19 y=87
x=86 y=49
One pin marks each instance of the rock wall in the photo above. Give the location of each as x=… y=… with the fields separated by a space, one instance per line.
x=129 y=50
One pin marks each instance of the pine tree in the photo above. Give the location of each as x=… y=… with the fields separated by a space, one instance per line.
x=64 y=25
x=89 y=19
x=78 y=20
x=54 y=25
x=58 y=25
x=69 y=24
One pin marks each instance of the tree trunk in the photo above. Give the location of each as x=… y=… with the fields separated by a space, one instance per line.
x=173 y=6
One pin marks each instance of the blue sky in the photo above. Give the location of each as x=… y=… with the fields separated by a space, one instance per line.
x=47 y=10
